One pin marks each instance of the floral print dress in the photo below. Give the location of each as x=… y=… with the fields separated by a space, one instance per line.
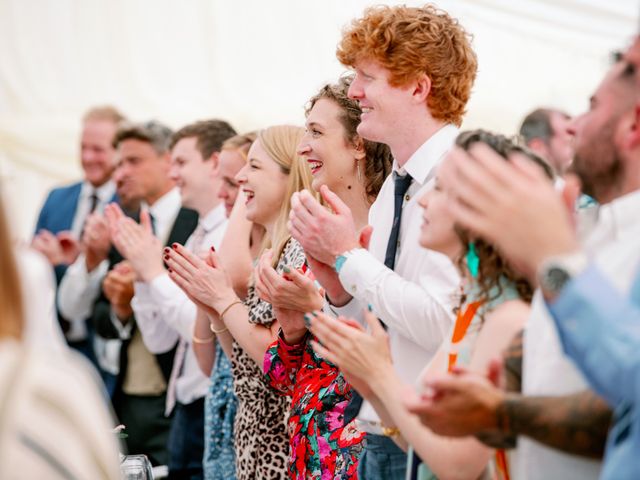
x=321 y=446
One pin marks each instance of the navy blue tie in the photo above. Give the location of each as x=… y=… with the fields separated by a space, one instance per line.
x=402 y=184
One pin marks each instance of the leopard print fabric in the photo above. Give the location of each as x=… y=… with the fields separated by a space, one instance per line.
x=261 y=438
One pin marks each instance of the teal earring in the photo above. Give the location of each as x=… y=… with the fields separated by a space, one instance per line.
x=473 y=261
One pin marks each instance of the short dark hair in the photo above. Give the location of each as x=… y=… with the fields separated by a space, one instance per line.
x=537 y=124
x=152 y=132
x=210 y=135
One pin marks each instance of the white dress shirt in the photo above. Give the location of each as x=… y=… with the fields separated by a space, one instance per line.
x=613 y=244
x=164 y=313
x=415 y=300
x=80 y=289
x=104 y=193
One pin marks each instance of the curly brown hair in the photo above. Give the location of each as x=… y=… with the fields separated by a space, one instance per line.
x=493 y=267
x=378 y=160
x=410 y=42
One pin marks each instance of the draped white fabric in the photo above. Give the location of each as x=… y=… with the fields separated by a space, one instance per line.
x=254 y=63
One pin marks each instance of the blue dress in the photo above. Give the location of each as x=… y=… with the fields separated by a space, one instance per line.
x=219 y=414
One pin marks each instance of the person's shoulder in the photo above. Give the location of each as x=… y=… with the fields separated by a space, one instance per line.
x=58 y=404
x=64 y=191
x=67 y=189
x=511 y=313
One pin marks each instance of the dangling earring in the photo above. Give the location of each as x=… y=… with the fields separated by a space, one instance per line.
x=473 y=261
x=359 y=173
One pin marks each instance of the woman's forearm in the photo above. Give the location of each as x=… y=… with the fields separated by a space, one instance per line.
x=254 y=339
x=204 y=349
x=447 y=458
x=235 y=249
x=223 y=334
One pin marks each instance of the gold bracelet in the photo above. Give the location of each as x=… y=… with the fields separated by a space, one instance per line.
x=202 y=341
x=222 y=330
x=237 y=302
x=390 y=431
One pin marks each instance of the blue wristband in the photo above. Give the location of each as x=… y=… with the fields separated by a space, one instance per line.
x=340 y=259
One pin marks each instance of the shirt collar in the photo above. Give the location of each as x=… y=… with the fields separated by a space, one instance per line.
x=104 y=192
x=214 y=218
x=621 y=215
x=166 y=207
x=428 y=156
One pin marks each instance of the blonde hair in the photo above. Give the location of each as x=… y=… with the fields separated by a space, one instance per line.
x=281 y=143
x=11 y=323
x=104 y=113
x=240 y=144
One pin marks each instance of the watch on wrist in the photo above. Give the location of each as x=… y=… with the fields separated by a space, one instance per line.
x=556 y=272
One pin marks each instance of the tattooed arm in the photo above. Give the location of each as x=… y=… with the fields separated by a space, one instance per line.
x=469 y=404
x=576 y=423
x=512 y=359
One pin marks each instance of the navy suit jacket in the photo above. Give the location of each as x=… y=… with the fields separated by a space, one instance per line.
x=57 y=214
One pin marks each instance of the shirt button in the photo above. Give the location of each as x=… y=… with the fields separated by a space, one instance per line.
x=353 y=288
x=407 y=197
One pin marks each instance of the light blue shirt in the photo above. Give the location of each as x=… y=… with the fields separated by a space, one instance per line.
x=600 y=330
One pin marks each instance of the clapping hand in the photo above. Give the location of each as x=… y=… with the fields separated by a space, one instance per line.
x=96 y=239
x=360 y=355
x=459 y=403
x=512 y=204
x=119 y=290
x=60 y=249
x=293 y=290
x=203 y=280
x=322 y=233
x=136 y=242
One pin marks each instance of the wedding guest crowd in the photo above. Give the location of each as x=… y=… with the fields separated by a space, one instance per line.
x=375 y=295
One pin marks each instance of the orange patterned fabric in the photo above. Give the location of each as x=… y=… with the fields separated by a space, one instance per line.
x=463 y=321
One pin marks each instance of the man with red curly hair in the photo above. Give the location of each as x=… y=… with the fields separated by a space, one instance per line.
x=414 y=71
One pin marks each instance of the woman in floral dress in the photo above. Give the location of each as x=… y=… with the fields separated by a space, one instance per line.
x=323 y=441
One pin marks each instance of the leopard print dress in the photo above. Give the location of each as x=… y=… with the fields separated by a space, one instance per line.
x=261 y=438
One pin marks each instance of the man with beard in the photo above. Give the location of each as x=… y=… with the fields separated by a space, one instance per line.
x=535 y=231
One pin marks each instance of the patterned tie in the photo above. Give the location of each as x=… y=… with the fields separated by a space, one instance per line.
x=401 y=186
x=197 y=240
